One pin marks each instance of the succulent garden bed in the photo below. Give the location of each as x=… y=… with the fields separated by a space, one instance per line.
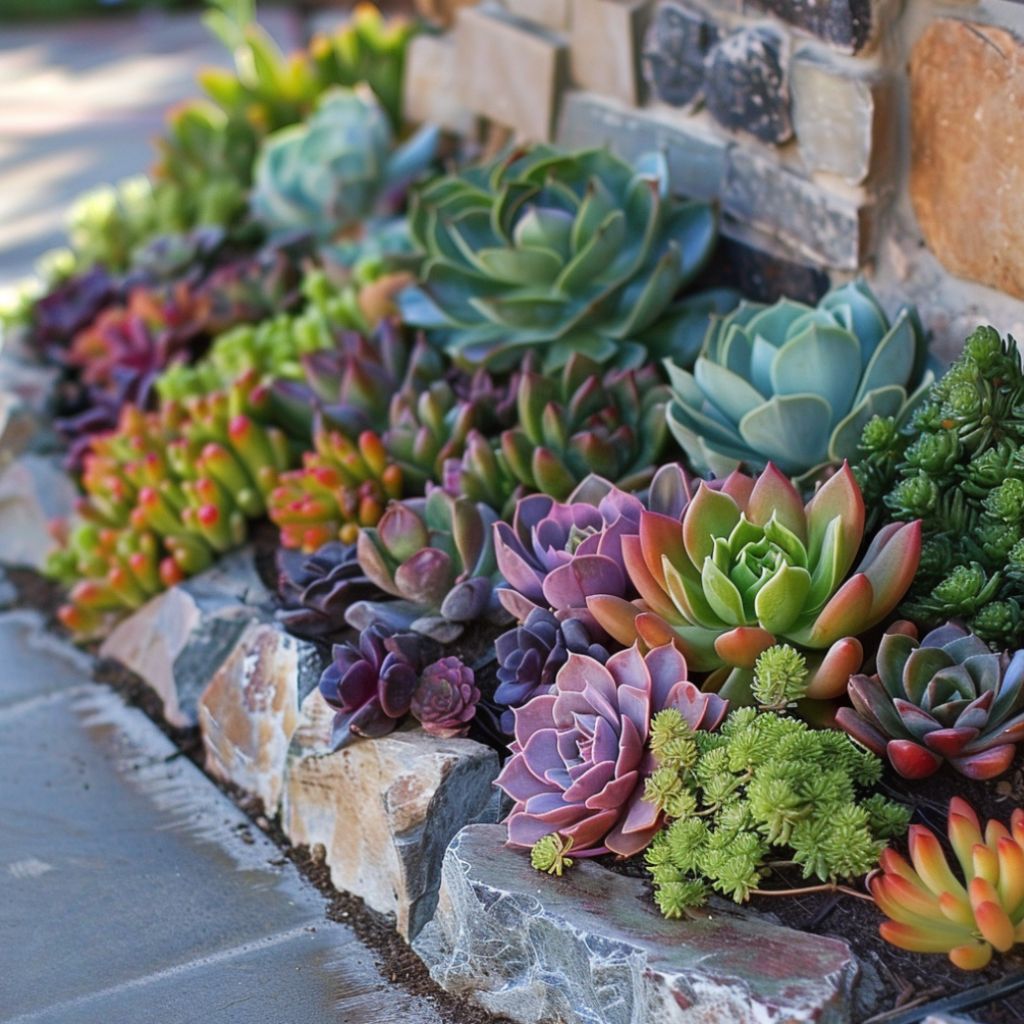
x=644 y=651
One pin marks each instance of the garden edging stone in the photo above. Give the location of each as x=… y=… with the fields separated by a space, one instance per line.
x=385 y=810
x=250 y=709
x=177 y=640
x=591 y=948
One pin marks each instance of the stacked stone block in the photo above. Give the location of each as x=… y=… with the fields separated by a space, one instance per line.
x=839 y=137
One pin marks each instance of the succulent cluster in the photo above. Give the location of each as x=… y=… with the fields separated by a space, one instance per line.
x=370 y=684
x=531 y=654
x=585 y=421
x=436 y=557
x=316 y=589
x=762 y=783
x=558 y=554
x=945 y=699
x=557 y=253
x=338 y=171
x=580 y=758
x=748 y=565
x=931 y=910
x=794 y=384
x=957 y=465
x=164 y=495
x=206 y=156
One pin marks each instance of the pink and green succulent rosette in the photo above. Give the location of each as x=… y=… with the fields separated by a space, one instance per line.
x=750 y=566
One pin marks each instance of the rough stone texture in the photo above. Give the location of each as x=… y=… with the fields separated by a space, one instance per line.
x=605 y=54
x=697 y=159
x=18 y=427
x=591 y=948
x=826 y=227
x=385 y=809
x=177 y=641
x=552 y=14
x=676 y=46
x=430 y=85
x=967 y=180
x=35 y=492
x=510 y=71
x=846 y=24
x=745 y=88
x=250 y=709
x=842 y=118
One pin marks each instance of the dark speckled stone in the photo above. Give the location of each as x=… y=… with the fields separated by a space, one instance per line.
x=846 y=24
x=675 y=48
x=746 y=88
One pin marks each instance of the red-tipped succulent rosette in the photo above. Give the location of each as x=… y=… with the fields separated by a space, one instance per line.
x=932 y=910
x=947 y=698
x=751 y=565
x=580 y=759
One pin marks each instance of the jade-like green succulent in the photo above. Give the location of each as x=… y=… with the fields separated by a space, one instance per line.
x=795 y=384
x=557 y=253
x=338 y=169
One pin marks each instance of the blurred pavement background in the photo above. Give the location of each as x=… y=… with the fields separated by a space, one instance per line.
x=80 y=103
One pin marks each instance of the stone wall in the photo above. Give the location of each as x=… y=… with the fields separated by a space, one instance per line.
x=839 y=137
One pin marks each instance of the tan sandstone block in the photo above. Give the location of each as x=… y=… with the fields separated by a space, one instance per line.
x=967 y=179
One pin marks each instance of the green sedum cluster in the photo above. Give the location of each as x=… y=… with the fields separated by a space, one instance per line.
x=763 y=783
x=958 y=466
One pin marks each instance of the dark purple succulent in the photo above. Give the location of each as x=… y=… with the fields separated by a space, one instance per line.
x=370 y=684
x=69 y=308
x=445 y=700
x=530 y=655
x=557 y=554
x=316 y=589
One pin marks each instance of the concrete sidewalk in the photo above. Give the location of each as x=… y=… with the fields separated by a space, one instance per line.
x=132 y=890
x=80 y=103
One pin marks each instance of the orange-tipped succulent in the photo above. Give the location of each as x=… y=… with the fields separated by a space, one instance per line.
x=343 y=485
x=164 y=495
x=750 y=565
x=931 y=910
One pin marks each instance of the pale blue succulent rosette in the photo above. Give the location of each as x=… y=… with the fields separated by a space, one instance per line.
x=795 y=384
x=340 y=171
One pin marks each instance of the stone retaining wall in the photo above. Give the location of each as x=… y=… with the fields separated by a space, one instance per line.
x=838 y=136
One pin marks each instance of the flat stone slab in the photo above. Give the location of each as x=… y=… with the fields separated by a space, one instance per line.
x=591 y=948
x=129 y=882
x=26 y=648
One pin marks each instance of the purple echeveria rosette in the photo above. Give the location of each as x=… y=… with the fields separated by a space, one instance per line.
x=530 y=655
x=445 y=700
x=557 y=554
x=580 y=759
x=370 y=684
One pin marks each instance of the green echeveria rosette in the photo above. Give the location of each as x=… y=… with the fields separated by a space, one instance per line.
x=560 y=253
x=338 y=169
x=749 y=566
x=796 y=384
